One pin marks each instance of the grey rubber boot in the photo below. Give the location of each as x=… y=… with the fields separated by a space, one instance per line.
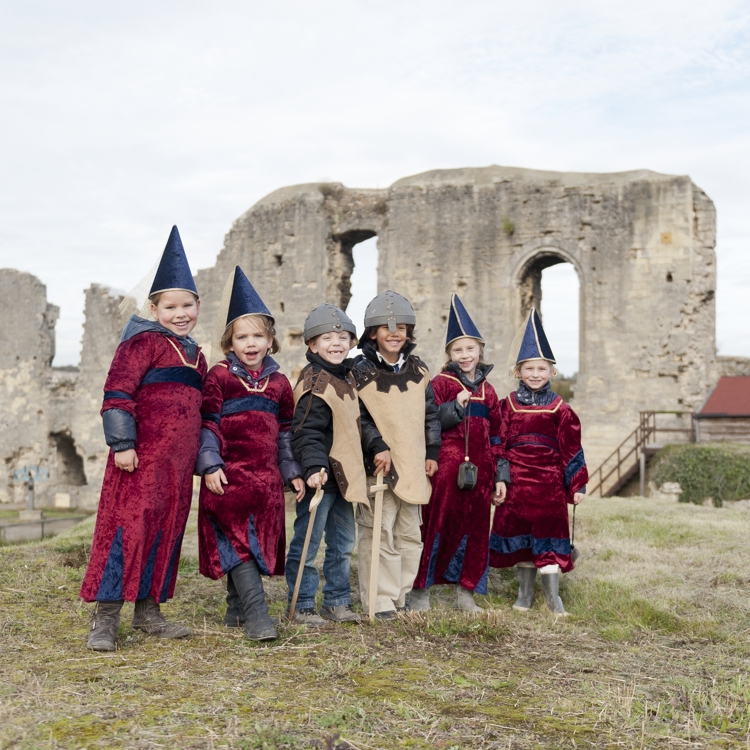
x=526 y=578
x=235 y=617
x=105 y=621
x=465 y=600
x=340 y=613
x=249 y=585
x=550 y=584
x=419 y=600
x=148 y=618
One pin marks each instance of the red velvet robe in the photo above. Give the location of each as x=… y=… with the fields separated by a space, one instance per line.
x=456 y=523
x=247 y=521
x=142 y=515
x=547 y=467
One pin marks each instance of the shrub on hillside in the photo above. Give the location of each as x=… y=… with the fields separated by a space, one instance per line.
x=720 y=471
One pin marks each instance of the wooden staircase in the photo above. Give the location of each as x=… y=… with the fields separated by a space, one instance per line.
x=630 y=457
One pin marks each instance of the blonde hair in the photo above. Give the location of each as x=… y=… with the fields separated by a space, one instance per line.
x=154 y=298
x=514 y=373
x=264 y=323
x=448 y=359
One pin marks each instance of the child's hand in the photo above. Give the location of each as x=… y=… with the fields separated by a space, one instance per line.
x=463 y=398
x=215 y=480
x=578 y=498
x=430 y=467
x=127 y=460
x=382 y=461
x=299 y=488
x=317 y=480
x=501 y=490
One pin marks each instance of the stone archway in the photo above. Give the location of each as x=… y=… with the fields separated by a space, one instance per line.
x=530 y=293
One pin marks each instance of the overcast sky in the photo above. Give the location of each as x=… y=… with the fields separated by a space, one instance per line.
x=121 y=119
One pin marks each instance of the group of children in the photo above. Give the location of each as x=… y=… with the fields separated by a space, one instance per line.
x=446 y=449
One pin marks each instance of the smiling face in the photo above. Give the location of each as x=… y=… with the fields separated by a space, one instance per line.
x=333 y=347
x=466 y=352
x=390 y=343
x=535 y=373
x=177 y=311
x=250 y=342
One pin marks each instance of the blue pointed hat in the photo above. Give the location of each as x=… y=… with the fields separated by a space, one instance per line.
x=460 y=323
x=173 y=271
x=534 y=344
x=244 y=299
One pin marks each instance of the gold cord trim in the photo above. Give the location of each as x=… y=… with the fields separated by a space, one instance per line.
x=182 y=356
x=537 y=410
x=453 y=377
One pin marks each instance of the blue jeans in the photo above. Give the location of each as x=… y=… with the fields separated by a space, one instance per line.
x=335 y=516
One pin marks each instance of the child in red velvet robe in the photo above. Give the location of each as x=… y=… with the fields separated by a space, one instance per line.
x=152 y=422
x=245 y=459
x=456 y=523
x=542 y=442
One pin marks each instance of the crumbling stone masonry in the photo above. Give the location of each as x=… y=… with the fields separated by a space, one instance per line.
x=642 y=244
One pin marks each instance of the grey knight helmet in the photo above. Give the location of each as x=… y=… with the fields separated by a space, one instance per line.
x=325 y=319
x=389 y=309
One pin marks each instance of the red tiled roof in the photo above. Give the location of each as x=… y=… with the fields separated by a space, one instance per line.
x=730 y=398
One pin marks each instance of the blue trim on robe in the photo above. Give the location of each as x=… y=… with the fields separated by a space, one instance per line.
x=534 y=438
x=147 y=577
x=496 y=441
x=228 y=557
x=110 y=586
x=507 y=545
x=574 y=466
x=430 y=580
x=215 y=418
x=249 y=403
x=479 y=410
x=481 y=587
x=456 y=565
x=182 y=375
x=255 y=551
x=171 y=571
x=117 y=394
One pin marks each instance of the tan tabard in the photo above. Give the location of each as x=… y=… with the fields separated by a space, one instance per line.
x=396 y=402
x=347 y=463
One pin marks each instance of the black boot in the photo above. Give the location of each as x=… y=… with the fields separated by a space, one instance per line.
x=249 y=585
x=235 y=617
x=526 y=578
x=550 y=584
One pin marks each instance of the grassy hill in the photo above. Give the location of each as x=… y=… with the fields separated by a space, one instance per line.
x=654 y=655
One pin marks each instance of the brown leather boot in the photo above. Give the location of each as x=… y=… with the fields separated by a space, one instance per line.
x=105 y=620
x=148 y=618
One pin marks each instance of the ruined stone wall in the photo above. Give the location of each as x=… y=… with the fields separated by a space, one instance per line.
x=642 y=244
x=27 y=346
x=80 y=417
x=49 y=417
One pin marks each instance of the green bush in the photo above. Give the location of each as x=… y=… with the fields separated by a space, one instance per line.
x=719 y=471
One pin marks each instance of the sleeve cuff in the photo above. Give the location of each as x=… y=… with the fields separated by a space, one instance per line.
x=378 y=446
x=125 y=445
x=431 y=454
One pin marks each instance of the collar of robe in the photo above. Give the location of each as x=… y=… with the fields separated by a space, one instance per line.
x=136 y=325
x=543 y=396
x=268 y=367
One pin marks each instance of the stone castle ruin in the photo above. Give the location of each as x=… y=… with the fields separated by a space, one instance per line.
x=642 y=244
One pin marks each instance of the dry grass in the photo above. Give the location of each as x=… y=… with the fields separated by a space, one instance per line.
x=655 y=655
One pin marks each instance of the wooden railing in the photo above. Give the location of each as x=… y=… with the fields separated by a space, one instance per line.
x=630 y=456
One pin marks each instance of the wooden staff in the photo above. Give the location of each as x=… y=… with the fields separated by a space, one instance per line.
x=314 y=503
x=377 y=490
